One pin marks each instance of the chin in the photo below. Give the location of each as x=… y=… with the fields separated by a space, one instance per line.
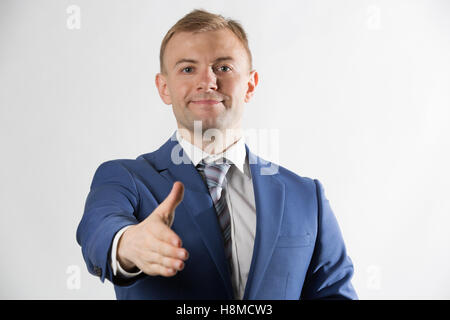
x=209 y=124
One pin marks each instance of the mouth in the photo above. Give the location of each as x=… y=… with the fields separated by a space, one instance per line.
x=207 y=102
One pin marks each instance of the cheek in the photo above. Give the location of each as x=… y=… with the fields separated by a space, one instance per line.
x=239 y=92
x=179 y=91
x=234 y=87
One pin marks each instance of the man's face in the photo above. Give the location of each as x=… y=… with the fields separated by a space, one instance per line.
x=207 y=78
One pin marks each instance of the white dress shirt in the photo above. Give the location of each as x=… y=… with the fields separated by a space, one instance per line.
x=241 y=204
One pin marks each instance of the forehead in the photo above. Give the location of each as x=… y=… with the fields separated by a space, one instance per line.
x=207 y=45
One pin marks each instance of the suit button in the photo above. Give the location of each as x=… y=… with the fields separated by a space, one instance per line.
x=98 y=271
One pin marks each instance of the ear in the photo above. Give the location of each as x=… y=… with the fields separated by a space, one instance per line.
x=161 y=84
x=252 y=83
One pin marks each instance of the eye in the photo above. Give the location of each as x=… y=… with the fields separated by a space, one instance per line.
x=187 y=70
x=224 y=68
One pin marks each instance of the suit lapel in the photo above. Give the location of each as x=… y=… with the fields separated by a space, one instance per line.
x=269 y=194
x=269 y=201
x=175 y=166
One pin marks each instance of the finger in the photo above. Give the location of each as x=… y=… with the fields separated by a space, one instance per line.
x=167 y=207
x=154 y=269
x=167 y=250
x=163 y=233
x=170 y=263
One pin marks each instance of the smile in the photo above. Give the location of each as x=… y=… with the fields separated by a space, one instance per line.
x=207 y=102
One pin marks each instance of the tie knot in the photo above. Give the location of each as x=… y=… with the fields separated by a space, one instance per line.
x=214 y=173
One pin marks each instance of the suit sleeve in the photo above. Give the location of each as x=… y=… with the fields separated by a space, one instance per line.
x=110 y=206
x=330 y=270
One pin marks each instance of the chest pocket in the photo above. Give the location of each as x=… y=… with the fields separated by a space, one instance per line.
x=303 y=240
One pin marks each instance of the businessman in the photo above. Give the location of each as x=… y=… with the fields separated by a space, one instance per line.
x=203 y=217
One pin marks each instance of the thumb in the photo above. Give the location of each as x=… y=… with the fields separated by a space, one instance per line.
x=166 y=209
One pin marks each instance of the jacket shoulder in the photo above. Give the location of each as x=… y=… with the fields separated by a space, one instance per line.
x=291 y=179
x=142 y=162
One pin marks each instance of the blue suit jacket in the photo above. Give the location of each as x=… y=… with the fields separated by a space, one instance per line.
x=299 y=252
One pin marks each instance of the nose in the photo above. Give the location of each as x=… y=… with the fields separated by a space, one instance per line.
x=207 y=80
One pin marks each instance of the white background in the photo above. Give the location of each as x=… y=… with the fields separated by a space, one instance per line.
x=358 y=92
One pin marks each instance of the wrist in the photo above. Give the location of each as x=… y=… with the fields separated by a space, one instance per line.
x=122 y=257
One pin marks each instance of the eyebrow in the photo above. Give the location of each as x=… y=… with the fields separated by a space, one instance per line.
x=220 y=59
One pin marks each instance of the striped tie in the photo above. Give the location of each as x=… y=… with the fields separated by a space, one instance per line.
x=214 y=175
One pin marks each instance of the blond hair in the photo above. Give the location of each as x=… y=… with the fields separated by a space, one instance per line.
x=201 y=21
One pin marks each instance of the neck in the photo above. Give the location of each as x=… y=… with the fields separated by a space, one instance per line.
x=212 y=141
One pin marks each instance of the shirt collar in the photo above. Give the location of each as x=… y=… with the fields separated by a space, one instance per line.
x=236 y=153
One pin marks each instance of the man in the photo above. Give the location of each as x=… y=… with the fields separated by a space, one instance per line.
x=202 y=217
